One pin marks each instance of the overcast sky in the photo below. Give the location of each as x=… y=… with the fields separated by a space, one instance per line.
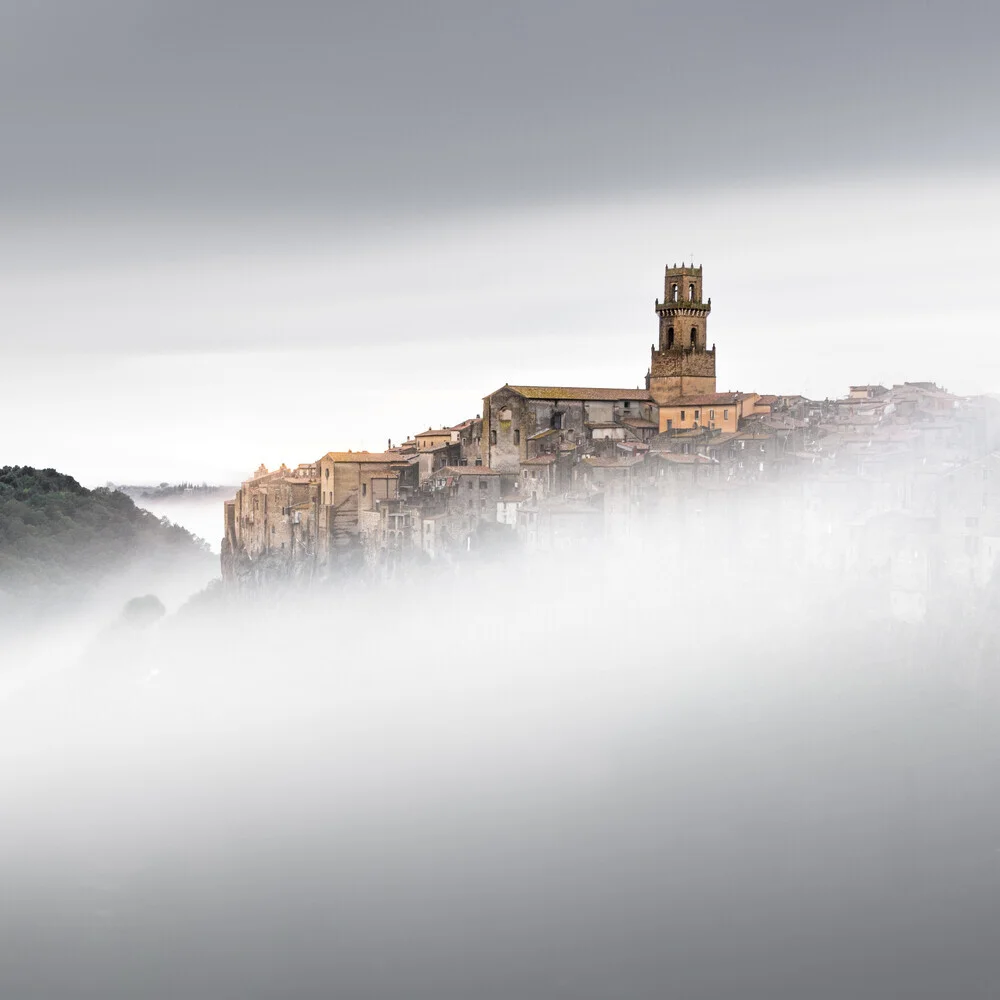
x=237 y=232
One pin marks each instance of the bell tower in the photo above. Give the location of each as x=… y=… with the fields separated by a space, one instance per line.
x=683 y=364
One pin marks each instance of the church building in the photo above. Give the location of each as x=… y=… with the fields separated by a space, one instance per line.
x=521 y=422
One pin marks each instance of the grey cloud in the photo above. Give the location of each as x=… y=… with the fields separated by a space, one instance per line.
x=390 y=107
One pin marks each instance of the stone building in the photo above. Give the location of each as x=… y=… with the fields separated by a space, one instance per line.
x=521 y=422
x=682 y=364
x=271 y=524
x=717 y=411
x=351 y=483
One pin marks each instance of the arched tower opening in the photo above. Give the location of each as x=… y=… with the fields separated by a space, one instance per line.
x=683 y=364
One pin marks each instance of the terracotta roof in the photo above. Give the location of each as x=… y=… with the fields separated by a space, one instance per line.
x=708 y=399
x=602 y=462
x=575 y=392
x=365 y=457
x=678 y=458
x=722 y=439
x=548 y=432
x=433 y=433
x=767 y=400
x=539 y=460
x=468 y=470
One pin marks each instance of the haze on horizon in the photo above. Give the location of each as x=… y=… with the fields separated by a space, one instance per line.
x=222 y=219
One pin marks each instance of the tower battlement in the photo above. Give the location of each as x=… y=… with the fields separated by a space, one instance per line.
x=682 y=363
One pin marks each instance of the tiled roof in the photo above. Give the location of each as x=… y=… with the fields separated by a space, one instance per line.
x=708 y=399
x=548 y=432
x=603 y=462
x=432 y=433
x=576 y=392
x=767 y=400
x=539 y=460
x=468 y=470
x=637 y=422
x=678 y=458
x=722 y=439
x=365 y=457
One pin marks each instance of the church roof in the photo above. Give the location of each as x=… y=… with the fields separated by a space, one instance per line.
x=365 y=457
x=707 y=399
x=576 y=392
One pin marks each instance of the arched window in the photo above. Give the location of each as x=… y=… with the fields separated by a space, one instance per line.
x=673 y=293
x=691 y=291
x=670 y=338
x=694 y=336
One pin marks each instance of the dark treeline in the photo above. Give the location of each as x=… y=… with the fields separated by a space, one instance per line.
x=57 y=537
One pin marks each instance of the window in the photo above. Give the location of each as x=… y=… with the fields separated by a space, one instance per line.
x=627 y=404
x=673 y=293
x=493 y=437
x=691 y=292
x=556 y=421
x=725 y=414
x=364 y=489
x=517 y=437
x=694 y=336
x=711 y=414
x=683 y=417
x=670 y=337
x=697 y=414
x=468 y=483
x=482 y=484
x=327 y=472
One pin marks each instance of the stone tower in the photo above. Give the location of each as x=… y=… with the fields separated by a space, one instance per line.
x=682 y=365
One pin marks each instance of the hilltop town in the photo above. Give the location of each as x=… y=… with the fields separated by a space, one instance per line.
x=895 y=482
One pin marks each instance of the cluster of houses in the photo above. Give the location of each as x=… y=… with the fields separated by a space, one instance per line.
x=900 y=481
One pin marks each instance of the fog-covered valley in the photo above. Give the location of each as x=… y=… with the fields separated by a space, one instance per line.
x=605 y=772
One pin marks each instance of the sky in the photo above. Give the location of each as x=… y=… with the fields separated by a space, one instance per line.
x=244 y=233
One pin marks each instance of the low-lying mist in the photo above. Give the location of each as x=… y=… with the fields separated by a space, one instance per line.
x=611 y=773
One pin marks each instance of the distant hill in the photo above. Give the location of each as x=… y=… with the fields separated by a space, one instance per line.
x=175 y=491
x=59 y=540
